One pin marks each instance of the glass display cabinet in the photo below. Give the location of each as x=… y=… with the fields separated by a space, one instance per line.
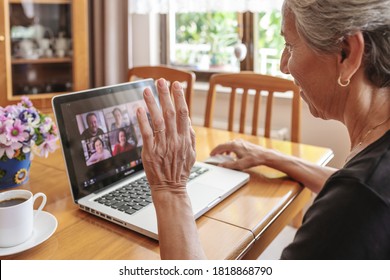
x=43 y=49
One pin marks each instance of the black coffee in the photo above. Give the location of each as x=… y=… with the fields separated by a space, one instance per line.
x=12 y=202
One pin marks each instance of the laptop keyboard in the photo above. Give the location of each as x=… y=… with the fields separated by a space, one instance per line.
x=136 y=195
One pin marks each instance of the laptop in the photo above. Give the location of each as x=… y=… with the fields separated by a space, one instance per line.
x=110 y=182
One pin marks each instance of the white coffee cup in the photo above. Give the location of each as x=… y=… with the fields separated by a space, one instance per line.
x=17 y=216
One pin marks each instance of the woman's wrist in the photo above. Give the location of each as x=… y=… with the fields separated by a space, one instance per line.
x=271 y=158
x=166 y=190
x=164 y=195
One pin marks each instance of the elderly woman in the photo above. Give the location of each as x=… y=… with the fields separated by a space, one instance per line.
x=338 y=53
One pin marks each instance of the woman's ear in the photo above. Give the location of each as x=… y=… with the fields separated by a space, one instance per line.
x=351 y=55
x=343 y=55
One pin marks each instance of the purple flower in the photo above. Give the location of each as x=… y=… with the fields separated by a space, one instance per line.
x=31 y=117
x=9 y=150
x=46 y=125
x=26 y=102
x=48 y=145
x=16 y=131
x=3 y=116
x=24 y=128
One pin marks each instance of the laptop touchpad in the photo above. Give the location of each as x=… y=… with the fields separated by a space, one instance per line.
x=201 y=196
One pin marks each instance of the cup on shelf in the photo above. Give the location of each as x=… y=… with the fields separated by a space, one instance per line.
x=17 y=216
x=48 y=88
x=60 y=53
x=48 y=53
x=26 y=49
x=61 y=45
x=44 y=43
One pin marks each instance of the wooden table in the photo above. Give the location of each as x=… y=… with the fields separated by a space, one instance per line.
x=242 y=226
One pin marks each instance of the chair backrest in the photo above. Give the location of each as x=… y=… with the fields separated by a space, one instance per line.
x=169 y=74
x=247 y=81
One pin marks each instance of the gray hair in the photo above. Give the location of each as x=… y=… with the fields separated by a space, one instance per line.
x=324 y=24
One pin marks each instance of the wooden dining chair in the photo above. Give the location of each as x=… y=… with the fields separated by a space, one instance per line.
x=170 y=75
x=263 y=87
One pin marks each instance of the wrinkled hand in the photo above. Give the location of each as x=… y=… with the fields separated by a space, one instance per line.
x=169 y=147
x=247 y=154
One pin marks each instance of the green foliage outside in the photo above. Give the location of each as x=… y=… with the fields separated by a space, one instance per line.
x=269 y=26
x=219 y=31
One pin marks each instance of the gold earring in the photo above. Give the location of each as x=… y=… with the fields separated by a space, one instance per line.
x=341 y=84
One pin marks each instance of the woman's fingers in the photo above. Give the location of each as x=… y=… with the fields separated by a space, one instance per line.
x=154 y=110
x=223 y=148
x=239 y=164
x=247 y=154
x=167 y=108
x=183 y=124
x=239 y=147
x=193 y=138
x=182 y=116
x=146 y=130
x=169 y=145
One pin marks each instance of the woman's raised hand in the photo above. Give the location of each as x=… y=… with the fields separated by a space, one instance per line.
x=169 y=145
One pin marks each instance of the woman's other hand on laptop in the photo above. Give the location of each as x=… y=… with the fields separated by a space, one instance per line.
x=247 y=154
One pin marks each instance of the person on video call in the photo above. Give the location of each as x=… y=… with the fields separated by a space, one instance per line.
x=123 y=144
x=118 y=116
x=338 y=54
x=100 y=152
x=93 y=128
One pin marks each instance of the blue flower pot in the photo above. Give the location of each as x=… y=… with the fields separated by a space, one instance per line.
x=13 y=172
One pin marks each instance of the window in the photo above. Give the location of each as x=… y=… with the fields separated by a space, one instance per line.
x=206 y=42
x=269 y=43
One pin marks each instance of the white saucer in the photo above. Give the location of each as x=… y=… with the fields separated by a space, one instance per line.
x=44 y=226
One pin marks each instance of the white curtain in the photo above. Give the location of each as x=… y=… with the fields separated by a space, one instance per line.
x=183 y=6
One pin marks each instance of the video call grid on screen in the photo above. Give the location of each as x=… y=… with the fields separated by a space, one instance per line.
x=109 y=134
x=80 y=147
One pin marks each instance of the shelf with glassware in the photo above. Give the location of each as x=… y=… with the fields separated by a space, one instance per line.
x=41 y=65
x=42 y=41
x=46 y=48
x=42 y=60
x=41 y=1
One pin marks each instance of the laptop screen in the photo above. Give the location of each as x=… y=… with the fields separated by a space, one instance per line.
x=100 y=135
